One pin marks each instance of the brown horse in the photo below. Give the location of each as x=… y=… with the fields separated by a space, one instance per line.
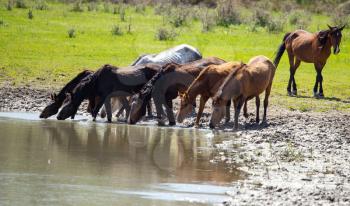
x=164 y=87
x=310 y=48
x=206 y=84
x=243 y=83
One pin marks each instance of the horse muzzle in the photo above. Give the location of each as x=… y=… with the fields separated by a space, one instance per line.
x=336 y=50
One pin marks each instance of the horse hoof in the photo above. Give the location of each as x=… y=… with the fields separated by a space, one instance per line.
x=315 y=94
x=246 y=115
x=321 y=95
x=290 y=94
x=294 y=93
x=172 y=123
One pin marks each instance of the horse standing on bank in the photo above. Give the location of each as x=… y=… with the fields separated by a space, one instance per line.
x=310 y=48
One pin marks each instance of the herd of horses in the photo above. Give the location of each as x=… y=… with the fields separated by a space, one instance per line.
x=182 y=72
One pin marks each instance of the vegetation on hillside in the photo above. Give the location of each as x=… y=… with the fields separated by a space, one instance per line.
x=45 y=43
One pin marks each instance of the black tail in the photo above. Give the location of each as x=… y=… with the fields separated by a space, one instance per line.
x=280 y=50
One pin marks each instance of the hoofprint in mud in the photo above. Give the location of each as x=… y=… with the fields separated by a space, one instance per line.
x=298 y=158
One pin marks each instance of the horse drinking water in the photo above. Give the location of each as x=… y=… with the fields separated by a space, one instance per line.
x=310 y=48
x=243 y=83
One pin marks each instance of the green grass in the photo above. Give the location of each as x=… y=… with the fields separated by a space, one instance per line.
x=38 y=51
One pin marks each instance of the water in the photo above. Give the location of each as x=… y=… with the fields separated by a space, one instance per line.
x=49 y=162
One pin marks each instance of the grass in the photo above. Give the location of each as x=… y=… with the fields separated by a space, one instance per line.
x=39 y=48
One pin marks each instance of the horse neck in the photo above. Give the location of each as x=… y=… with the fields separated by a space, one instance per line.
x=195 y=89
x=61 y=96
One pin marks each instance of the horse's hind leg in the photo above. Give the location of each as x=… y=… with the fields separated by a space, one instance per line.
x=291 y=71
x=228 y=105
x=257 y=102
x=245 y=110
x=266 y=101
x=296 y=65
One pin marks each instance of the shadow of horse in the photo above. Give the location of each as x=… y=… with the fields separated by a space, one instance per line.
x=335 y=99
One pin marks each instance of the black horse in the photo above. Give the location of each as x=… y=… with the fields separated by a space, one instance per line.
x=58 y=99
x=107 y=82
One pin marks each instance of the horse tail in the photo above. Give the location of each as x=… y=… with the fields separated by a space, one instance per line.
x=280 y=50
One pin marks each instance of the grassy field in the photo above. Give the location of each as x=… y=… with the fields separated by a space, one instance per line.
x=38 y=51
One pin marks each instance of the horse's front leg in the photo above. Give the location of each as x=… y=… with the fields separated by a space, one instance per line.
x=170 y=112
x=238 y=106
x=98 y=107
x=202 y=102
x=108 y=109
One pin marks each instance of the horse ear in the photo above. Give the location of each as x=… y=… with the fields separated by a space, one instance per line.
x=330 y=28
x=341 y=28
x=180 y=94
x=53 y=96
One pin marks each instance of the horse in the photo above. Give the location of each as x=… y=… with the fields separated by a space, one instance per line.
x=310 y=48
x=181 y=54
x=58 y=99
x=164 y=87
x=206 y=84
x=105 y=83
x=243 y=83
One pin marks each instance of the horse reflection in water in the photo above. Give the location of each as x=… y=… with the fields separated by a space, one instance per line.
x=141 y=152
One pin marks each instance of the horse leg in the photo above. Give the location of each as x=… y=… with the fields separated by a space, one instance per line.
x=159 y=110
x=108 y=109
x=316 y=83
x=296 y=65
x=319 y=72
x=202 y=102
x=291 y=73
x=98 y=107
x=170 y=112
x=149 y=109
x=245 y=110
x=257 y=102
x=238 y=107
x=266 y=101
x=228 y=105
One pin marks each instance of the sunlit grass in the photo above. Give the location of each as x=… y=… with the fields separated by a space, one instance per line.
x=35 y=49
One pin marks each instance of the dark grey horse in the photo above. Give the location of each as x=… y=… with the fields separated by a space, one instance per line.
x=180 y=54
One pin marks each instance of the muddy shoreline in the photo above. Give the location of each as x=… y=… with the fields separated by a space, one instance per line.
x=298 y=158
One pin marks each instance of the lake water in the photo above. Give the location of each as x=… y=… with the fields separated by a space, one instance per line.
x=50 y=162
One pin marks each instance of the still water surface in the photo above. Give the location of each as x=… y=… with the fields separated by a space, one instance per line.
x=49 y=162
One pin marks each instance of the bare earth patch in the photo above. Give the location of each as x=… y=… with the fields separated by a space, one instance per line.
x=298 y=158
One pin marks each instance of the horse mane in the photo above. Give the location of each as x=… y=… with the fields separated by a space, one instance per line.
x=322 y=37
x=86 y=86
x=69 y=87
x=228 y=78
x=199 y=77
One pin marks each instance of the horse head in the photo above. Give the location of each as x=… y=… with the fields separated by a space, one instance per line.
x=137 y=108
x=186 y=106
x=52 y=108
x=335 y=36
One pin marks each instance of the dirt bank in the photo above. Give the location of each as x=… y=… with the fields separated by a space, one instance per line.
x=298 y=158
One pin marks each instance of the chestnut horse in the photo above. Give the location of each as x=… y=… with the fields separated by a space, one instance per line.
x=310 y=48
x=243 y=83
x=164 y=87
x=206 y=84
